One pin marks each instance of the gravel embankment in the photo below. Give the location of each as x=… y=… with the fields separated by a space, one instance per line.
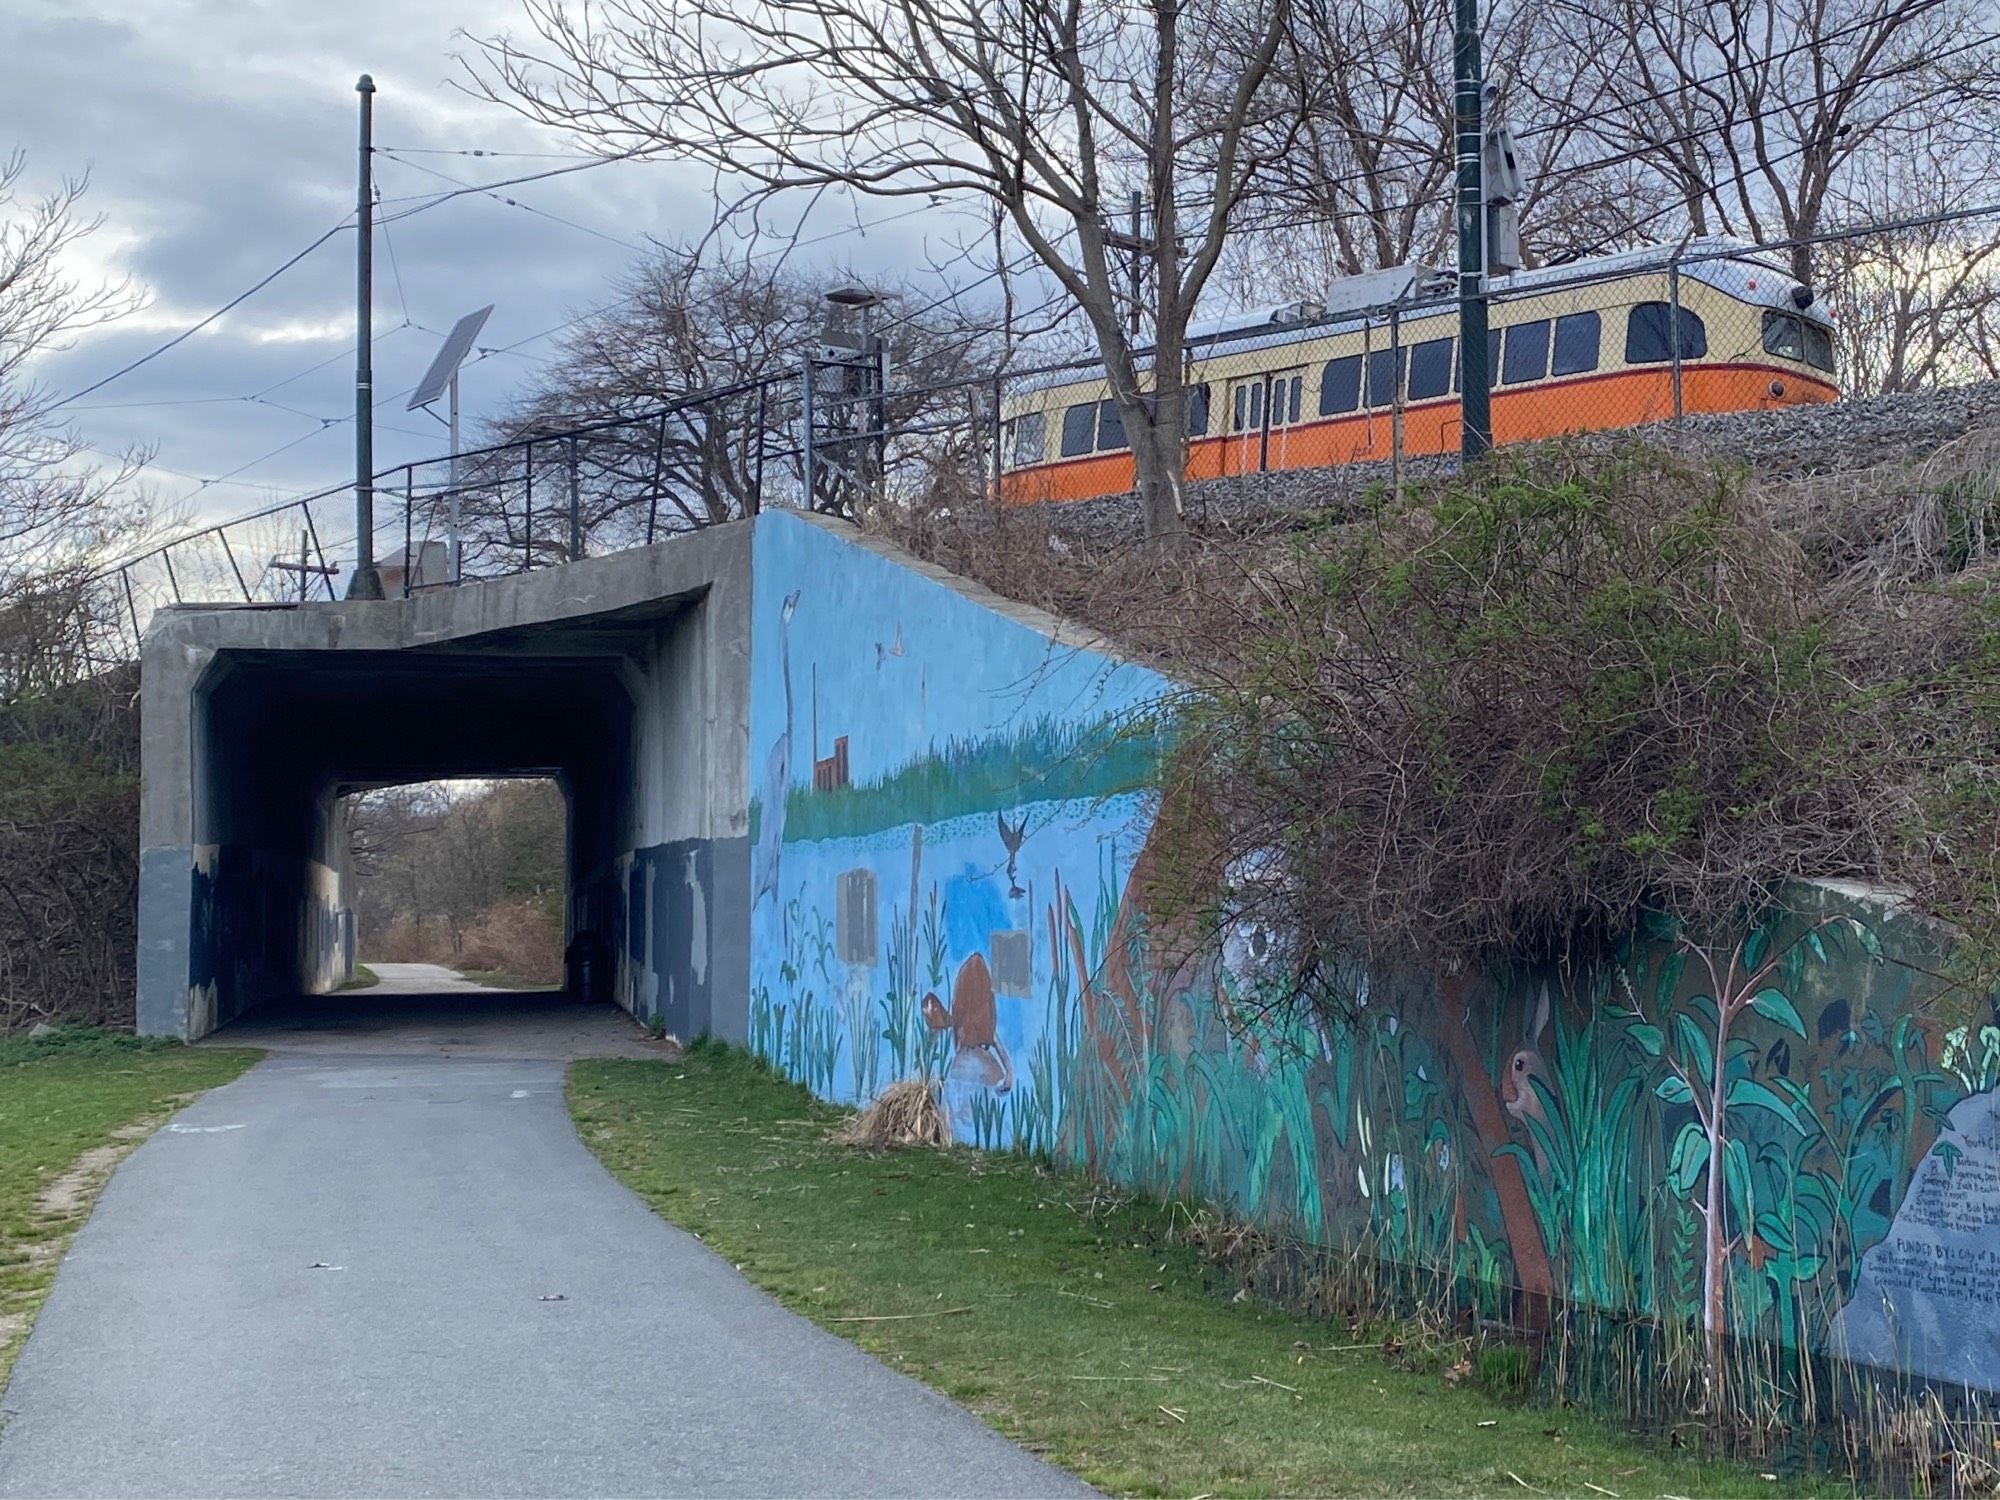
x=1843 y=437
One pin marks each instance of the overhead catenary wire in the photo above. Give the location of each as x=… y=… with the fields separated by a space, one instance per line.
x=187 y=333
x=499 y=197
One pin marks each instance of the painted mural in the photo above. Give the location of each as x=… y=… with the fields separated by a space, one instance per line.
x=1782 y=1145
x=933 y=780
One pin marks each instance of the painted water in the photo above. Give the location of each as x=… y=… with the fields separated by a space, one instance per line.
x=891 y=942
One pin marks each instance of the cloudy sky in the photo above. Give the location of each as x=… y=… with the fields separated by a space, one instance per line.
x=220 y=139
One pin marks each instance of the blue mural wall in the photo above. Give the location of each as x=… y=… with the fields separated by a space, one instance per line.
x=1774 y=1140
x=930 y=779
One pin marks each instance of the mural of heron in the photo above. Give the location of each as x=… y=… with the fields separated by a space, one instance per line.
x=777 y=776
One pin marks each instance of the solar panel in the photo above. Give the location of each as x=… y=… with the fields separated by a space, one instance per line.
x=457 y=344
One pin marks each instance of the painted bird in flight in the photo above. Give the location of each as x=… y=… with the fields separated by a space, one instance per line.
x=1011 y=837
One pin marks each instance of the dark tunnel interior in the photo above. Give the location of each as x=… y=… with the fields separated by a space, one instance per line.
x=285 y=736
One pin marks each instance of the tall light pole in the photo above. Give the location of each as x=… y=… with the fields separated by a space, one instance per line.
x=366 y=582
x=1476 y=380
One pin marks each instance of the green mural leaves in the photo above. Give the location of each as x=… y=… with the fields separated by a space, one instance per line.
x=1775 y=1006
x=1747 y=1093
x=1674 y=1089
x=1690 y=1156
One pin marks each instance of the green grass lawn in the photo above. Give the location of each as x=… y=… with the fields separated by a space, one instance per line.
x=1061 y=1313
x=70 y=1105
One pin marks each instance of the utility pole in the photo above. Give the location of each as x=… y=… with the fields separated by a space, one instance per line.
x=1136 y=245
x=1138 y=281
x=1476 y=382
x=304 y=567
x=366 y=582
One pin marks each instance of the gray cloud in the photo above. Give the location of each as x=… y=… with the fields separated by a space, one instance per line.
x=220 y=139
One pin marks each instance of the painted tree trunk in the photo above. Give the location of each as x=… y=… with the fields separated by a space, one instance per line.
x=1532 y=1271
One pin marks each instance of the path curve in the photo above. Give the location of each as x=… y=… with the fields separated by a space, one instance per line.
x=423 y=979
x=364 y=1275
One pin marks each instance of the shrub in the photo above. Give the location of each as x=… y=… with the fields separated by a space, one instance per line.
x=1493 y=719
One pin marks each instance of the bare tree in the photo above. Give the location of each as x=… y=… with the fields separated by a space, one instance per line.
x=1915 y=291
x=1051 y=110
x=1754 y=113
x=713 y=344
x=68 y=729
x=60 y=512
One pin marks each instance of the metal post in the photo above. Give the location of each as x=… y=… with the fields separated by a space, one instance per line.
x=409 y=524
x=167 y=557
x=806 y=424
x=228 y=552
x=999 y=437
x=528 y=516
x=1400 y=376
x=366 y=582
x=1475 y=387
x=453 y=545
x=757 y=484
x=575 y=509
x=1674 y=327
x=653 y=495
x=138 y=635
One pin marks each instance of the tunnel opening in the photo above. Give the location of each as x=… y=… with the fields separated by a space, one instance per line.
x=463 y=881
x=622 y=681
x=289 y=748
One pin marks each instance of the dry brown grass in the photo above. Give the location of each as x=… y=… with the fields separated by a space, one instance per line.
x=905 y=1115
x=512 y=937
x=1899 y=521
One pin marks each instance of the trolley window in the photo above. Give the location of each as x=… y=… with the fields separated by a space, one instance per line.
x=1385 y=367
x=1287 y=392
x=1430 y=368
x=1577 y=337
x=1492 y=360
x=1110 y=427
x=1340 y=385
x=1079 y=432
x=1646 y=336
x=1784 y=337
x=1819 y=346
x=1030 y=433
x=1197 y=411
x=1527 y=356
x=1249 y=407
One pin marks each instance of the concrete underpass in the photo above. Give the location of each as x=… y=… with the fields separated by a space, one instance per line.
x=625 y=678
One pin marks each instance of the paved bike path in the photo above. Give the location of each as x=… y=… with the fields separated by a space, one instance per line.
x=405 y=1275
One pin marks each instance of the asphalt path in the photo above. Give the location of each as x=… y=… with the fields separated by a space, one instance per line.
x=350 y=1273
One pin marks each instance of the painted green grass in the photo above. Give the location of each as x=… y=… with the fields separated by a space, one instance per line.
x=70 y=1103
x=1060 y=1313
x=1047 y=760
